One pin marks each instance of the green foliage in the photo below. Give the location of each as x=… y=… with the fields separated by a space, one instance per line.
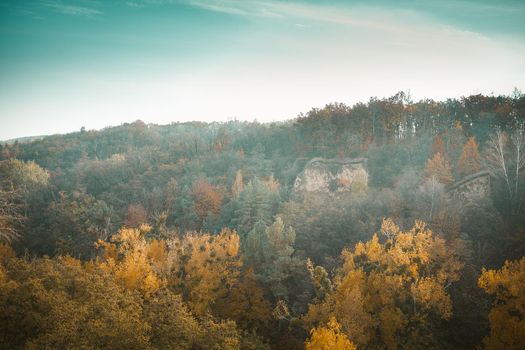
x=257 y=203
x=269 y=251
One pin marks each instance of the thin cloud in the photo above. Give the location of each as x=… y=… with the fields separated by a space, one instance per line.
x=220 y=7
x=72 y=10
x=355 y=17
x=242 y=8
x=134 y=4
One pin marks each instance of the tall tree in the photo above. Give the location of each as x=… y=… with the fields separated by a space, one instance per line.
x=257 y=203
x=469 y=161
x=497 y=156
x=269 y=251
x=518 y=143
x=438 y=146
x=439 y=168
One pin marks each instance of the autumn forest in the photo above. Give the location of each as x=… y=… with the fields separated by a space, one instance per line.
x=224 y=235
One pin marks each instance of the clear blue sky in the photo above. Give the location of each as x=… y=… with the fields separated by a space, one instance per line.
x=96 y=63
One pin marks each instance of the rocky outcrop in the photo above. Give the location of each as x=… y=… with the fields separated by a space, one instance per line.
x=332 y=176
x=473 y=188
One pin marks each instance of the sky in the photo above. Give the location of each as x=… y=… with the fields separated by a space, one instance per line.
x=97 y=63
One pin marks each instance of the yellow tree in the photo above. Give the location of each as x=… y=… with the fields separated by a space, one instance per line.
x=329 y=338
x=394 y=289
x=63 y=304
x=134 y=262
x=211 y=268
x=469 y=161
x=507 y=317
x=439 y=168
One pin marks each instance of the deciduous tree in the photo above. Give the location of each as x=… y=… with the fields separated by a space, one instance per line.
x=396 y=290
x=329 y=338
x=507 y=316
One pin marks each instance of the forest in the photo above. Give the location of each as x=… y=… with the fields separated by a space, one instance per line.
x=199 y=235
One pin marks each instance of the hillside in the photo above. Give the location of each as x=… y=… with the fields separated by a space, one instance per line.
x=253 y=235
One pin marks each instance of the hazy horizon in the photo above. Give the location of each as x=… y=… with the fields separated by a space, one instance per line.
x=68 y=64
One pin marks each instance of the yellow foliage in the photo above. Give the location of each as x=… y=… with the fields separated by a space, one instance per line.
x=329 y=338
x=212 y=267
x=380 y=288
x=6 y=253
x=507 y=317
x=135 y=263
x=63 y=303
x=157 y=254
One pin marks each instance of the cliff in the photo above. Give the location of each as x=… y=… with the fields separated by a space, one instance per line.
x=332 y=176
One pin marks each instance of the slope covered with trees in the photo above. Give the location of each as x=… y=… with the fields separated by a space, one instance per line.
x=191 y=236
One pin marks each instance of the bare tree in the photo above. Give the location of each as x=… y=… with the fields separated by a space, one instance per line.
x=518 y=143
x=432 y=195
x=496 y=155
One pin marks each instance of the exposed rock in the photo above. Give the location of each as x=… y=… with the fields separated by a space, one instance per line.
x=332 y=176
x=473 y=188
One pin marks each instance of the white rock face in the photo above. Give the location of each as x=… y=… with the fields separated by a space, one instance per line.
x=332 y=176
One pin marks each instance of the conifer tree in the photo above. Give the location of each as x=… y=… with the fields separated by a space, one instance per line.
x=469 y=161
x=439 y=168
x=438 y=146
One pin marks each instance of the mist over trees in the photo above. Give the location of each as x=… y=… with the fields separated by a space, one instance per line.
x=192 y=235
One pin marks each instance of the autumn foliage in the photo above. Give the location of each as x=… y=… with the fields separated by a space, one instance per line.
x=207 y=197
x=389 y=288
x=439 y=168
x=329 y=338
x=469 y=161
x=438 y=146
x=507 y=316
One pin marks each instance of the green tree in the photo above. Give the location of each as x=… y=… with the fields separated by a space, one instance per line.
x=270 y=252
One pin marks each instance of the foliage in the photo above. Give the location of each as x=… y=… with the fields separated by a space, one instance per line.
x=88 y=194
x=507 y=316
x=329 y=337
x=438 y=168
x=396 y=289
x=269 y=251
x=469 y=161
